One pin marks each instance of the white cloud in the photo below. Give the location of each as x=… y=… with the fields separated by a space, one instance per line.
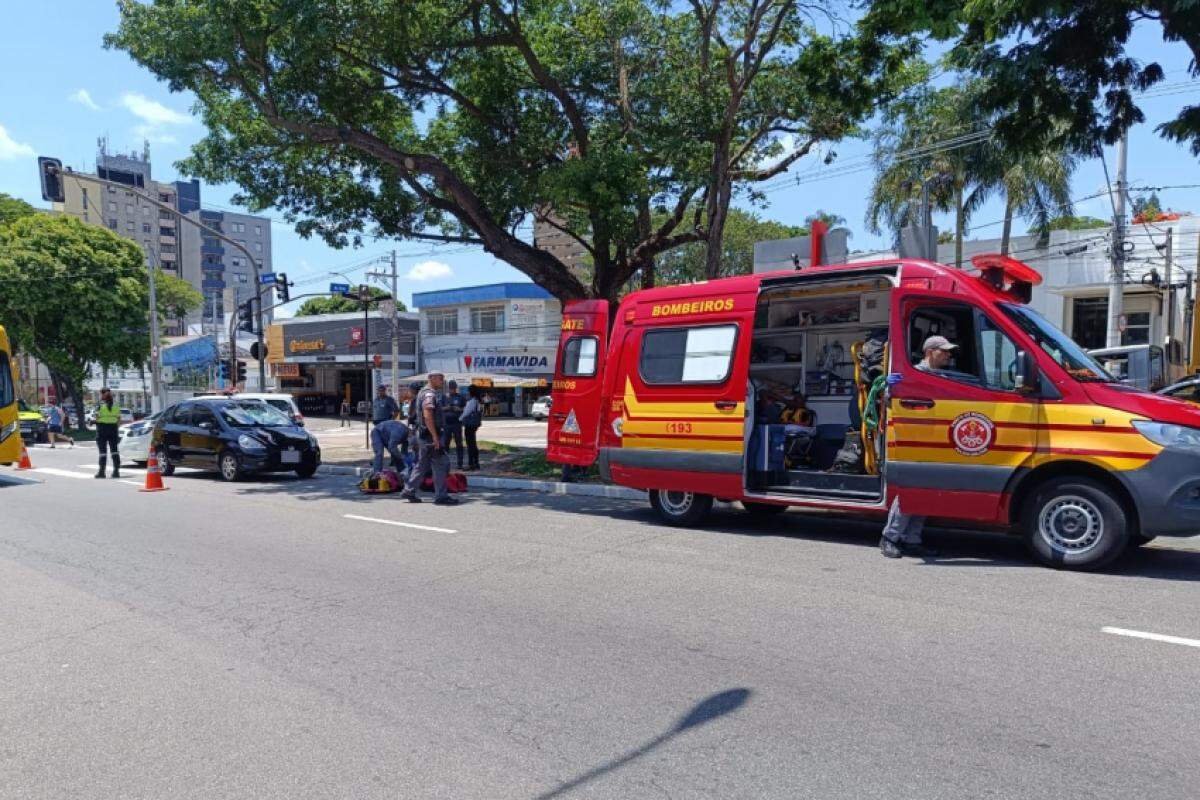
x=429 y=270
x=10 y=149
x=84 y=99
x=151 y=134
x=152 y=112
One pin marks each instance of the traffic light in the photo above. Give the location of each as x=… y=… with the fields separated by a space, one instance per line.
x=281 y=287
x=241 y=372
x=223 y=371
x=245 y=316
x=50 y=170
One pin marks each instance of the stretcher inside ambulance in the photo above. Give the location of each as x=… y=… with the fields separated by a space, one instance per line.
x=807 y=389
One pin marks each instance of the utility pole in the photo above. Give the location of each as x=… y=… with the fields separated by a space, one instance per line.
x=1116 y=280
x=364 y=294
x=1167 y=277
x=394 y=276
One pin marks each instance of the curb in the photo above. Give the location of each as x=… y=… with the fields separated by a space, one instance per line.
x=487 y=482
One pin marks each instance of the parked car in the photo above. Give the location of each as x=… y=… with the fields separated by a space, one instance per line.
x=134 y=439
x=284 y=402
x=126 y=416
x=33 y=424
x=541 y=408
x=234 y=436
x=1188 y=390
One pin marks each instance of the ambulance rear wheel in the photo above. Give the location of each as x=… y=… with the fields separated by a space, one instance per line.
x=684 y=509
x=1074 y=523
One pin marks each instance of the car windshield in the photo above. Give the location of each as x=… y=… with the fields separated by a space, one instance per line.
x=249 y=414
x=1070 y=356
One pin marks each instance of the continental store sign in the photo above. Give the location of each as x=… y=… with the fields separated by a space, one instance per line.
x=297 y=346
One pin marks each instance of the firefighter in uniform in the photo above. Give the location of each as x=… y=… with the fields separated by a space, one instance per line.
x=108 y=417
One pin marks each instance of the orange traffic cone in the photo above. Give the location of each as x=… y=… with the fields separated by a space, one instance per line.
x=25 y=462
x=153 y=476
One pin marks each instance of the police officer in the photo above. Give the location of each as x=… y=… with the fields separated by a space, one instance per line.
x=383 y=407
x=430 y=414
x=108 y=417
x=455 y=403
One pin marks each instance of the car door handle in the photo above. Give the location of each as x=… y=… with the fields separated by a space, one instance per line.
x=726 y=405
x=916 y=402
x=558 y=415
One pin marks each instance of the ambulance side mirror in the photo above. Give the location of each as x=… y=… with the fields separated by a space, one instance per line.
x=1027 y=378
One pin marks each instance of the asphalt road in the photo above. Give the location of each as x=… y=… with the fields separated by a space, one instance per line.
x=289 y=639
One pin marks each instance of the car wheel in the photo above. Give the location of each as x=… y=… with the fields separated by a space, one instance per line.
x=682 y=509
x=307 y=470
x=1074 y=523
x=165 y=466
x=763 y=510
x=230 y=467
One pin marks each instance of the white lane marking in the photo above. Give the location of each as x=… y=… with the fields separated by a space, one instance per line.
x=138 y=484
x=1154 y=637
x=62 y=473
x=399 y=524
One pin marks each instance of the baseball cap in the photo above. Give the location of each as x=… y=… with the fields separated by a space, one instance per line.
x=938 y=343
x=416 y=386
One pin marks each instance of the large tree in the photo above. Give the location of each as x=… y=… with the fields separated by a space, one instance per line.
x=73 y=295
x=742 y=229
x=1050 y=62
x=628 y=124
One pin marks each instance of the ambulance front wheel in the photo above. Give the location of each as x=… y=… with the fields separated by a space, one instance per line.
x=684 y=509
x=1074 y=523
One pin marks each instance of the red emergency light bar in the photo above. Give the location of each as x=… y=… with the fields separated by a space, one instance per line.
x=1007 y=275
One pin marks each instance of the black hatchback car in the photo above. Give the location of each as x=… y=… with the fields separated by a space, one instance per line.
x=234 y=437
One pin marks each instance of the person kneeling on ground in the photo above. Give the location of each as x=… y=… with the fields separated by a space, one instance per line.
x=430 y=410
x=387 y=436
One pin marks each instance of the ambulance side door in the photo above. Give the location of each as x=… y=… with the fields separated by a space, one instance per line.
x=572 y=433
x=956 y=435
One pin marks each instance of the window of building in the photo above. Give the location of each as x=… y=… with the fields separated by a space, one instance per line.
x=164 y=198
x=168 y=248
x=242 y=277
x=145 y=211
x=1089 y=322
x=442 y=322
x=112 y=223
x=258 y=247
x=237 y=262
x=579 y=357
x=166 y=231
x=258 y=230
x=130 y=225
x=145 y=227
x=688 y=355
x=112 y=205
x=165 y=215
x=487 y=320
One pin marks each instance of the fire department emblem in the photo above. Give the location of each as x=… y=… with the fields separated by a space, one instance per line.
x=972 y=433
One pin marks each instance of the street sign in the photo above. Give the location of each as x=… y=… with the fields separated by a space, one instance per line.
x=339 y=288
x=267 y=278
x=356 y=336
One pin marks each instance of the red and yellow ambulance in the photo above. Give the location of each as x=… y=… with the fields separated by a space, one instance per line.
x=761 y=389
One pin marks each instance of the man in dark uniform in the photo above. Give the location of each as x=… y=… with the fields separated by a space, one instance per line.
x=455 y=403
x=108 y=418
x=429 y=404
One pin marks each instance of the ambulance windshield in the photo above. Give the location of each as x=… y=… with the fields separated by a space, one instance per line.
x=1056 y=344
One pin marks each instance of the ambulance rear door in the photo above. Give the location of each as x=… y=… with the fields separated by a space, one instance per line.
x=572 y=436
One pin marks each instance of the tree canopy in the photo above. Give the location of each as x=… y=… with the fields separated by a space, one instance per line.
x=74 y=294
x=688 y=263
x=1054 y=69
x=628 y=124
x=340 y=305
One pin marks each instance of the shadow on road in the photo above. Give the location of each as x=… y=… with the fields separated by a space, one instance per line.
x=711 y=708
x=957 y=547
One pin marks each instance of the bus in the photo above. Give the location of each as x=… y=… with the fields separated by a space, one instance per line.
x=10 y=431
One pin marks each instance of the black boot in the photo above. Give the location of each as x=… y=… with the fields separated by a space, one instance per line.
x=116 y=473
x=103 y=463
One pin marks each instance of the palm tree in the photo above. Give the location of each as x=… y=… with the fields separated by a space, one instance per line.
x=1037 y=187
x=929 y=143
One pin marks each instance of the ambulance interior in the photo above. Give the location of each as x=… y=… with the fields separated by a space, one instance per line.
x=818 y=366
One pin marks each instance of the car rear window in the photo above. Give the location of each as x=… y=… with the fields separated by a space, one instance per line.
x=701 y=354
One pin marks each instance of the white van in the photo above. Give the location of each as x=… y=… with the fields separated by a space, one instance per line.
x=284 y=402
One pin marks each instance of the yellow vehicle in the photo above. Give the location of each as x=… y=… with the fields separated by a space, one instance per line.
x=10 y=433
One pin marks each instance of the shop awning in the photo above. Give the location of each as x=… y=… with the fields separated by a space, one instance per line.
x=487 y=380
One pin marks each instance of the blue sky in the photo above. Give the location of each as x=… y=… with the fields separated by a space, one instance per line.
x=59 y=93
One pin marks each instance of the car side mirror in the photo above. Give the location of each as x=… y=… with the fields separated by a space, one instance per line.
x=1028 y=379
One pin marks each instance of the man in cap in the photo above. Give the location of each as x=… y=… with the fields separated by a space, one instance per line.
x=430 y=406
x=902 y=532
x=455 y=403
